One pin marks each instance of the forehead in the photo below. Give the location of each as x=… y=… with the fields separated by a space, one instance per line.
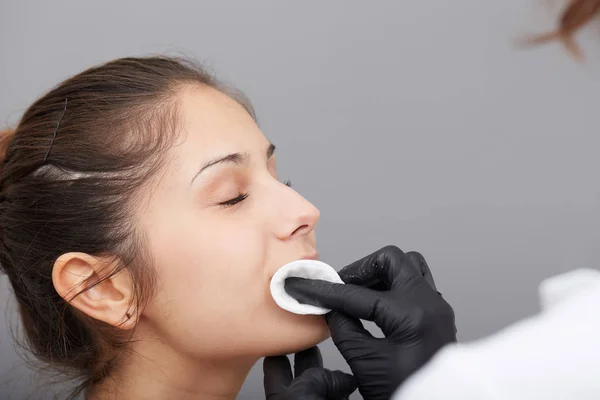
x=214 y=123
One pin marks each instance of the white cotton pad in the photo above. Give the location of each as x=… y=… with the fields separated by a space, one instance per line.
x=310 y=269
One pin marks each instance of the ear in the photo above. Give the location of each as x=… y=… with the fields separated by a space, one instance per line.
x=77 y=277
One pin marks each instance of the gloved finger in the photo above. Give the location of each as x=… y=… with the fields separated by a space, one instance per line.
x=419 y=261
x=277 y=375
x=346 y=330
x=388 y=266
x=356 y=301
x=306 y=359
x=319 y=383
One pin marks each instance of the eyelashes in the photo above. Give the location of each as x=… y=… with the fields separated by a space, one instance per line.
x=243 y=196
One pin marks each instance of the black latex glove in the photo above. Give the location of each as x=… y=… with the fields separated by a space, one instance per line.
x=397 y=292
x=312 y=382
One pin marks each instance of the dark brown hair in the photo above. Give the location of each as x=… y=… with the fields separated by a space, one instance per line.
x=575 y=16
x=117 y=121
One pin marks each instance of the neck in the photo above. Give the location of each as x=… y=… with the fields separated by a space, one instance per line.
x=155 y=370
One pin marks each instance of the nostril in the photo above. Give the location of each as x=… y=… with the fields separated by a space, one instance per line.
x=301 y=229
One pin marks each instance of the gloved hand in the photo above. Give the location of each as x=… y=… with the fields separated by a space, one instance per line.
x=397 y=292
x=312 y=382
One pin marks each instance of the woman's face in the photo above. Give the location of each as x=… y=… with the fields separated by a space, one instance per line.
x=219 y=224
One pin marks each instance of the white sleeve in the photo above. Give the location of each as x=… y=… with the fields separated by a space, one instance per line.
x=553 y=355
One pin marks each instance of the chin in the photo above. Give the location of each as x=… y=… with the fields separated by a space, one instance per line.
x=306 y=331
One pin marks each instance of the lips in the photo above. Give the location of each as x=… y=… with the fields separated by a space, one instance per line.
x=308 y=256
x=311 y=256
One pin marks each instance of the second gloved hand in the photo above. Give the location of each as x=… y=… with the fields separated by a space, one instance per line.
x=397 y=292
x=312 y=381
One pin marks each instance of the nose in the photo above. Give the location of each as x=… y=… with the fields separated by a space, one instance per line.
x=295 y=215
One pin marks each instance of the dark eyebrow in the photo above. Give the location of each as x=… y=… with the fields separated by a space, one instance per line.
x=236 y=158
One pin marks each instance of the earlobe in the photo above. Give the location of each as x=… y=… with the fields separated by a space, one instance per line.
x=86 y=283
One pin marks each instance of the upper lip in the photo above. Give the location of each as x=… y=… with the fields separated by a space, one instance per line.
x=310 y=256
x=314 y=255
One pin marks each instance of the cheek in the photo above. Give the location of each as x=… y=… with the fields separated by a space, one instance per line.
x=213 y=297
x=221 y=264
x=211 y=278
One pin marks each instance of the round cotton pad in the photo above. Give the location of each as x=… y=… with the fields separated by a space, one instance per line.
x=310 y=269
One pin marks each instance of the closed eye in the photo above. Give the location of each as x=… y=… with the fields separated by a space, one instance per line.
x=241 y=197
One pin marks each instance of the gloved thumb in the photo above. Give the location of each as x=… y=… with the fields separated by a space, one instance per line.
x=324 y=384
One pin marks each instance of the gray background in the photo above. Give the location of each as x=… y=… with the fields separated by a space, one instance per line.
x=416 y=123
